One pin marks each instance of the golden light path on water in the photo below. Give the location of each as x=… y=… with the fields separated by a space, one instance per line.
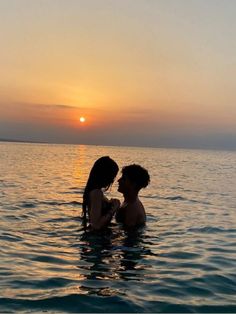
x=183 y=260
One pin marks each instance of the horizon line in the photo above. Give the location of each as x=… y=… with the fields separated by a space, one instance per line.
x=10 y=140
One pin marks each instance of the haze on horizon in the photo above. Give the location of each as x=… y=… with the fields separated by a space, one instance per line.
x=156 y=73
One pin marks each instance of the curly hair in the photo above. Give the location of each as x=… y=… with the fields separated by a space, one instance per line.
x=137 y=175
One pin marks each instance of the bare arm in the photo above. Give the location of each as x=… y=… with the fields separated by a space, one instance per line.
x=97 y=220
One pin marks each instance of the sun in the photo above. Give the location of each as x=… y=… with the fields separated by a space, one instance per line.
x=82 y=119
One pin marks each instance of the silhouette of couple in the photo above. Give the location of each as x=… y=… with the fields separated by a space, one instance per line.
x=99 y=210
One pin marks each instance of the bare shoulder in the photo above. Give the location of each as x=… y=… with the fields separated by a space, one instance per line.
x=137 y=207
x=135 y=214
x=96 y=194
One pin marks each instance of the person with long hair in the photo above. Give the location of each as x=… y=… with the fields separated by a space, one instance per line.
x=98 y=209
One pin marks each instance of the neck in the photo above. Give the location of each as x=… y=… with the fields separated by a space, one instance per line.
x=130 y=197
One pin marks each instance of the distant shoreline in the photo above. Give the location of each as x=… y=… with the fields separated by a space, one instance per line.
x=159 y=147
x=21 y=141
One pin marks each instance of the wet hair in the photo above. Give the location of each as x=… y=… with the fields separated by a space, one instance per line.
x=101 y=175
x=138 y=175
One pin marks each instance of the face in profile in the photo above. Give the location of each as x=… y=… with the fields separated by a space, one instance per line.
x=134 y=177
x=124 y=184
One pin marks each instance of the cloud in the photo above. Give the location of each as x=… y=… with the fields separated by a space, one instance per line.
x=52 y=106
x=158 y=127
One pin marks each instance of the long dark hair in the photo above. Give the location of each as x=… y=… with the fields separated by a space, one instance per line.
x=101 y=175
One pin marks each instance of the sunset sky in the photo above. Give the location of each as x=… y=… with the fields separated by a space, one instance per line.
x=156 y=73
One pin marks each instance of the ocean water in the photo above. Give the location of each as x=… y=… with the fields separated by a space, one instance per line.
x=184 y=260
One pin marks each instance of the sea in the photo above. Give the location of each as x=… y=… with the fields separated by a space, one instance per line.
x=183 y=260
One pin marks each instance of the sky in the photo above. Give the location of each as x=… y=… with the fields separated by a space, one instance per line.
x=159 y=73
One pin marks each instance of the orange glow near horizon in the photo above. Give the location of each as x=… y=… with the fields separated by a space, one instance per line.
x=142 y=76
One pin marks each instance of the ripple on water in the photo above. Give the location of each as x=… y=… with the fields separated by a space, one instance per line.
x=10 y=237
x=49 y=259
x=221 y=261
x=75 y=303
x=47 y=284
x=179 y=255
x=28 y=205
x=183 y=261
x=211 y=229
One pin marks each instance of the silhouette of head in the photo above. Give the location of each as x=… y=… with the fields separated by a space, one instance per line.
x=103 y=173
x=133 y=177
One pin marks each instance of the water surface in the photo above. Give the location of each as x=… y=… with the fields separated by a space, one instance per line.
x=182 y=261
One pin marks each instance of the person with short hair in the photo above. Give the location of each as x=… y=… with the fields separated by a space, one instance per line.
x=132 y=213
